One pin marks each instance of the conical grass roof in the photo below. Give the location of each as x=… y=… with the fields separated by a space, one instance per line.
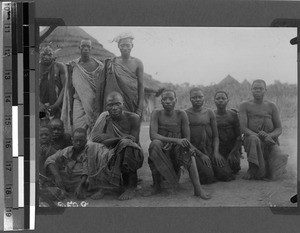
x=67 y=40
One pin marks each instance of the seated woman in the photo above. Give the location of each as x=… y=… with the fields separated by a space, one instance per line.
x=229 y=131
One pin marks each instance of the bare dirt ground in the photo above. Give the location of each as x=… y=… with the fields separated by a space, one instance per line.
x=239 y=192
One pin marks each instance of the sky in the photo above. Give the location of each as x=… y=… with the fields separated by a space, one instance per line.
x=204 y=56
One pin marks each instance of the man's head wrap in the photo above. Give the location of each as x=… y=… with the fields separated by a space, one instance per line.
x=123 y=36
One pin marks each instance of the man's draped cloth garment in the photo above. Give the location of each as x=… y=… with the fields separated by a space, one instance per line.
x=84 y=106
x=166 y=159
x=126 y=156
x=116 y=77
x=202 y=139
x=50 y=87
x=269 y=159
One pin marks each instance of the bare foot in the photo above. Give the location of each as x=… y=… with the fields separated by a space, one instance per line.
x=202 y=194
x=139 y=180
x=267 y=179
x=248 y=176
x=257 y=177
x=172 y=191
x=98 y=195
x=127 y=195
x=230 y=178
x=61 y=194
x=138 y=188
x=153 y=191
x=254 y=173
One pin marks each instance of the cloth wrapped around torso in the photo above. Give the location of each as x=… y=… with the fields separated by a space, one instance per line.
x=126 y=155
x=84 y=107
x=116 y=77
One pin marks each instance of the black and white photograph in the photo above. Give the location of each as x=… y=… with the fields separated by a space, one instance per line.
x=167 y=117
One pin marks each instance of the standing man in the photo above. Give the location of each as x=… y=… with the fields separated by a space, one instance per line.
x=170 y=149
x=52 y=84
x=79 y=102
x=261 y=125
x=123 y=74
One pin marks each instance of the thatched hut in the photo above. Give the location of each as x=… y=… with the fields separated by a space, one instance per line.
x=66 y=41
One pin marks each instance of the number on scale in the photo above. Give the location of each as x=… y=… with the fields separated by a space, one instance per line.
x=8 y=144
x=6 y=28
x=7 y=52
x=7 y=75
x=7 y=98
x=8 y=166
x=7 y=8
x=8 y=121
x=8 y=190
x=8 y=212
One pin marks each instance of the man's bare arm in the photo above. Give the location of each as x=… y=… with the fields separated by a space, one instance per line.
x=237 y=131
x=42 y=107
x=215 y=134
x=101 y=137
x=99 y=91
x=106 y=139
x=50 y=165
x=140 y=79
x=53 y=170
x=135 y=127
x=109 y=140
x=276 y=122
x=244 y=120
x=185 y=125
x=70 y=87
x=213 y=122
x=62 y=74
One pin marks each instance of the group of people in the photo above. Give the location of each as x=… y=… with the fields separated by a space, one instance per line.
x=101 y=106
